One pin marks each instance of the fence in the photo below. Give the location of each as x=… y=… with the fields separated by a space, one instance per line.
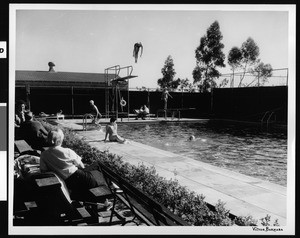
x=244 y=103
x=278 y=77
x=250 y=103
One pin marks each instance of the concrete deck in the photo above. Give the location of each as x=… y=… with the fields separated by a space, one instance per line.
x=243 y=195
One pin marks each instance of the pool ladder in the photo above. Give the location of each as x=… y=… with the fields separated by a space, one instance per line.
x=268 y=115
x=85 y=119
x=85 y=123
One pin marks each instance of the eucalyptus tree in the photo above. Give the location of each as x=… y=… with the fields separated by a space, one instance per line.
x=209 y=56
x=184 y=83
x=168 y=72
x=261 y=72
x=244 y=58
x=234 y=60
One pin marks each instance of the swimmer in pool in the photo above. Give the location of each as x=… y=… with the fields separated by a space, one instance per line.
x=193 y=138
x=111 y=132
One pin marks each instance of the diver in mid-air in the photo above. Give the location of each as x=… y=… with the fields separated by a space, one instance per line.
x=136 y=49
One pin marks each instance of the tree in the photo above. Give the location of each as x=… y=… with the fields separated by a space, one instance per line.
x=243 y=57
x=223 y=83
x=191 y=87
x=261 y=72
x=246 y=58
x=234 y=60
x=175 y=83
x=209 y=56
x=183 y=84
x=168 y=72
x=143 y=88
x=250 y=53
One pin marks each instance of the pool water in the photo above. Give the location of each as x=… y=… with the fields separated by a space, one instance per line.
x=245 y=149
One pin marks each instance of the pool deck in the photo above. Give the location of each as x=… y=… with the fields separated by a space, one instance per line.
x=243 y=195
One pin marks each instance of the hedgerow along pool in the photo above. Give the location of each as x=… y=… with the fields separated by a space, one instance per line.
x=242 y=148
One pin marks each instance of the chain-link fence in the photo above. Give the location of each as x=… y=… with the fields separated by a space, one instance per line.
x=277 y=77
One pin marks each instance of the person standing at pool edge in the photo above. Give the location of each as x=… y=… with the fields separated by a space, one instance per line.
x=136 y=49
x=112 y=132
x=165 y=96
x=95 y=112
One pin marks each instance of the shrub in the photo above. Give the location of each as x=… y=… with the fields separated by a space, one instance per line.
x=245 y=221
x=265 y=221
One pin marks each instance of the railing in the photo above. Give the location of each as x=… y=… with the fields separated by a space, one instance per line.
x=93 y=122
x=268 y=115
x=84 y=120
x=262 y=119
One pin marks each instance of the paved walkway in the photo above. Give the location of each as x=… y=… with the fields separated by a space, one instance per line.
x=242 y=194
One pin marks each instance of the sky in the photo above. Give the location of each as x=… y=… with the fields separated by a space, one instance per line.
x=91 y=39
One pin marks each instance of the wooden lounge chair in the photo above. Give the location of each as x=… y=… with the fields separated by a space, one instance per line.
x=141 y=205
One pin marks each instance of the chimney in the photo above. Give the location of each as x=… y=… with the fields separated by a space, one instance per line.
x=51 y=67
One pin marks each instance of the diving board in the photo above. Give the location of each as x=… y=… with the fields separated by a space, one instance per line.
x=118 y=79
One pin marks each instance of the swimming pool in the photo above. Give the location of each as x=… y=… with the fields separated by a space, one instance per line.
x=245 y=149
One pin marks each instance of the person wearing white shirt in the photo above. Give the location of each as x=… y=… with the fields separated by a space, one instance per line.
x=142 y=113
x=66 y=164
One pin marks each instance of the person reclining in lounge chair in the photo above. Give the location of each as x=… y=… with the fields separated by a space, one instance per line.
x=68 y=166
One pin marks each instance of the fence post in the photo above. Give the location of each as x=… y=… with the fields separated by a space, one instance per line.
x=72 y=100
x=212 y=100
x=27 y=88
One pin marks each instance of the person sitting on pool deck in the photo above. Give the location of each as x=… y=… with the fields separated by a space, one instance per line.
x=137 y=111
x=142 y=113
x=112 y=132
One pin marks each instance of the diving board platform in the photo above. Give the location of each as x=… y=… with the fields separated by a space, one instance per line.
x=116 y=103
x=119 y=79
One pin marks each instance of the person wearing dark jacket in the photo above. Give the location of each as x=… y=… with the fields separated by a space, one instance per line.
x=33 y=132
